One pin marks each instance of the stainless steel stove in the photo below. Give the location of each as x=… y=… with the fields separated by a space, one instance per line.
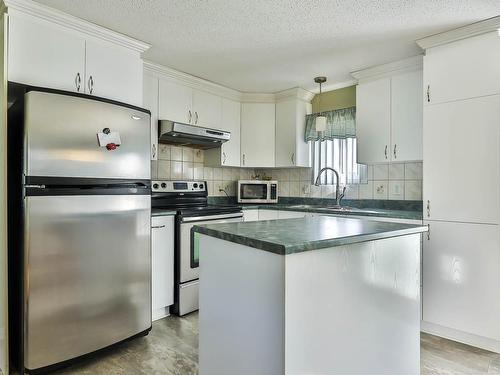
x=190 y=201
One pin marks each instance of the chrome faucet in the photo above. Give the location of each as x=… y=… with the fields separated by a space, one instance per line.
x=338 y=196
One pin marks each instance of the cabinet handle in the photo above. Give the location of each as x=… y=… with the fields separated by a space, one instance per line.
x=428 y=208
x=224 y=158
x=78 y=81
x=196 y=117
x=293 y=158
x=428 y=232
x=154 y=150
x=385 y=152
x=394 y=152
x=243 y=159
x=158 y=226
x=428 y=93
x=190 y=116
x=91 y=84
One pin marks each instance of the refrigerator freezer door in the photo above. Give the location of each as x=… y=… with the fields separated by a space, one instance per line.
x=87 y=274
x=61 y=138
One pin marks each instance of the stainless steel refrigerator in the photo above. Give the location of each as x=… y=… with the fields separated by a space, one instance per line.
x=84 y=251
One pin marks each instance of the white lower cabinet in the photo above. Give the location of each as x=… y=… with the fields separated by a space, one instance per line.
x=461 y=282
x=251 y=215
x=162 y=264
x=291 y=214
x=268 y=214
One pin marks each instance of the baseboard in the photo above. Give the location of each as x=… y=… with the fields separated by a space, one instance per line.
x=459 y=336
x=160 y=313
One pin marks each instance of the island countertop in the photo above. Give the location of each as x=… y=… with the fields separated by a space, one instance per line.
x=289 y=236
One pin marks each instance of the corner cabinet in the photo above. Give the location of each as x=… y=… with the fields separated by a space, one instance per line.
x=291 y=148
x=162 y=265
x=150 y=101
x=258 y=134
x=49 y=54
x=389 y=119
x=228 y=155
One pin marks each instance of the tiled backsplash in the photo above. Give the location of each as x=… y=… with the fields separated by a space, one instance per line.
x=398 y=181
x=187 y=163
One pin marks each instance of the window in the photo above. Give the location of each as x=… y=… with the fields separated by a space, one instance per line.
x=339 y=154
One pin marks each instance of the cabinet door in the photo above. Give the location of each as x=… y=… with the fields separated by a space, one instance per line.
x=251 y=215
x=373 y=121
x=406 y=117
x=207 y=109
x=291 y=214
x=150 y=101
x=162 y=263
x=268 y=214
x=286 y=133
x=44 y=54
x=461 y=277
x=461 y=160
x=231 y=114
x=113 y=72
x=175 y=102
x=464 y=69
x=257 y=134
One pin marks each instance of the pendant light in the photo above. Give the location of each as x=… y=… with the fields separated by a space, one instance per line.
x=320 y=122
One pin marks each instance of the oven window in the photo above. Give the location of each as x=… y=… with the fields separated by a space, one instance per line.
x=195 y=250
x=253 y=191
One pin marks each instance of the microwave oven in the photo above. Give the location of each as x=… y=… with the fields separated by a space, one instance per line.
x=257 y=191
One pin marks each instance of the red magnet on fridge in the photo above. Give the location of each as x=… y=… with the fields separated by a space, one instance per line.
x=111 y=146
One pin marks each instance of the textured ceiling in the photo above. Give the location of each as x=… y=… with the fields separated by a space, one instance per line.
x=272 y=45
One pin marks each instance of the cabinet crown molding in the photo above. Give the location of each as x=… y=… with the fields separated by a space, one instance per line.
x=63 y=19
x=295 y=93
x=161 y=71
x=477 y=28
x=389 y=69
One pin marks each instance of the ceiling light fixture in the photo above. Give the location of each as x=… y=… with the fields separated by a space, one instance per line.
x=320 y=122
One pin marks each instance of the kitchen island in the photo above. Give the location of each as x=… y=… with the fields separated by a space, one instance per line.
x=318 y=295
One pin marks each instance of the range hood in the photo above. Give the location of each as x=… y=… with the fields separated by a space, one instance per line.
x=172 y=132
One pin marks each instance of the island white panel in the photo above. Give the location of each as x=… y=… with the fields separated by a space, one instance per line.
x=241 y=321
x=354 y=310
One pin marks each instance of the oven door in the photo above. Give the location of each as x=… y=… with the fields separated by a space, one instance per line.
x=189 y=257
x=253 y=192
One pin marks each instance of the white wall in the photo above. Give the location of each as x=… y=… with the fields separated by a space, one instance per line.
x=3 y=197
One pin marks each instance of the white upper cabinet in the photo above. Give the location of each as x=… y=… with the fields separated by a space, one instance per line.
x=150 y=101
x=291 y=149
x=207 y=109
x=228 y=155
x=389 y=118
x=113 y=72
x=373 y=121
x=406 y=116
x=461 y=161
x=258 y=135
x=175 y=102
x=73 y=55
x=41 y=54
x=463 y=69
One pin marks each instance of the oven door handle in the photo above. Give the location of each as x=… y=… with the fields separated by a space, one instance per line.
x=211 y=217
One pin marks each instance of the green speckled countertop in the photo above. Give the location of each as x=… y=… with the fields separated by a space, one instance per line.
x=162 y=212
x=353 y=211
x=289 y=236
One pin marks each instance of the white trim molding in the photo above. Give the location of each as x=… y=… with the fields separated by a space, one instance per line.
x=477 y=28
x=295 y=93
x=390 y=69
x=161 y=71
x=63 y=19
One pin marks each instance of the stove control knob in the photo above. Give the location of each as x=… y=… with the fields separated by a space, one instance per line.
x=155 y=186
x=163 y=185
x=195 y=185
x=201 y=186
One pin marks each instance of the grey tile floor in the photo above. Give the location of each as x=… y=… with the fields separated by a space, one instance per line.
x=172 y=349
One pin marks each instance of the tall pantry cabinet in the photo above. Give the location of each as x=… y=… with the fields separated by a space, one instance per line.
x=461 y=177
